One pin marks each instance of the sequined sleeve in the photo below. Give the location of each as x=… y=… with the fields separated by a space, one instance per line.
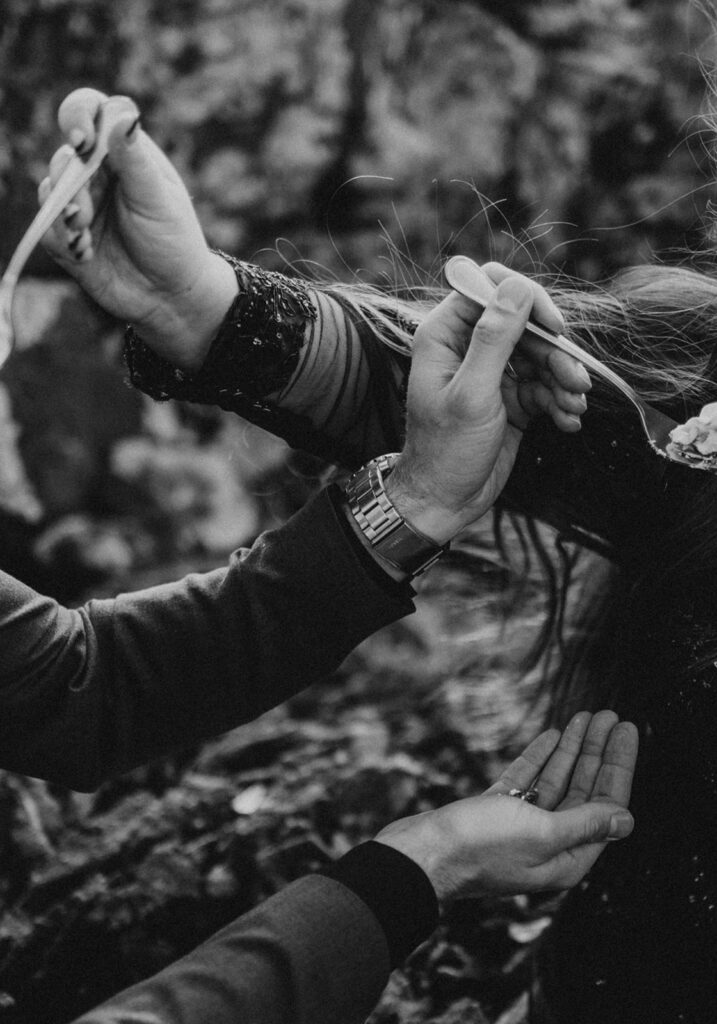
x=296 y=361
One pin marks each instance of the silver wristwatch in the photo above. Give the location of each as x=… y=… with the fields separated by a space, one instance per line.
x=381 y=523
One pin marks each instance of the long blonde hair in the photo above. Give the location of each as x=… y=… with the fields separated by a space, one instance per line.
x=653 y=324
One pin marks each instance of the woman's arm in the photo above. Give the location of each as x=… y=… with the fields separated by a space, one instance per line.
x=294 y=359
x=297 y=360
x=87 y=693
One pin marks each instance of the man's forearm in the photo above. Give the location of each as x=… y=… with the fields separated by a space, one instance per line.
x=88 y=693
x=319 y=952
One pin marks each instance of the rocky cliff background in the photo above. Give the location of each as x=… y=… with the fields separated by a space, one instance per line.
x=333 y=138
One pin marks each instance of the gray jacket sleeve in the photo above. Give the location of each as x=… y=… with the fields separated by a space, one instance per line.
x=320 y=951
x=312 y=954
x=91 y=692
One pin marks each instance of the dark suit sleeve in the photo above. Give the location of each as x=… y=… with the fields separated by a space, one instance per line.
x=319 y=952
x=87 y=693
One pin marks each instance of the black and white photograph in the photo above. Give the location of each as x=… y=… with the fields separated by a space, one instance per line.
x=358 y=455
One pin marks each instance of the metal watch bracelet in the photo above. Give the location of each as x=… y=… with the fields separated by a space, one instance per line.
x=381 y=523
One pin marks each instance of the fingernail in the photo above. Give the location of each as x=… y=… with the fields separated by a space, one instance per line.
x=573 y=420
x=584 y=376
x=77 y=139
x=513 y=294
x=132 y=132
x=621 y=825
x=559 y=316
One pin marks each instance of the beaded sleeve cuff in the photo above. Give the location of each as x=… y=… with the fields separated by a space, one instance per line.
x=266 y=340
x=258 y=344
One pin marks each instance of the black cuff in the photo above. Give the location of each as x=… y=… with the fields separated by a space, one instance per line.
x=254 y=352
x=368 y=562
x=395 y=890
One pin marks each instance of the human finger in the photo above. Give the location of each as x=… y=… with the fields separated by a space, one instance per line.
x=55 y=238
x=495 y=335
x=516 y=414
x=614 y=778
x=567 y=401
x=554 y=779
x=535 y=398
x=77 y=115
x=444 y=334
x=524 y=370
x=145 y=177
x=59 y=161
x=63 y=242
x=544 y=309
x=573 y=397
x=587 y=824
x=80 y=246
x=80 y=212
x=73 y=227
x=521 y=772
x=567 y=371
x=69 y=236
x=590 y=760
x=77 y=213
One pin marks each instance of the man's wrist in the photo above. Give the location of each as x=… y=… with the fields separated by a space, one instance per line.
x=393 y=571
x=384 y=530
x=419 y=508
x=396 y=889
x=416 y=839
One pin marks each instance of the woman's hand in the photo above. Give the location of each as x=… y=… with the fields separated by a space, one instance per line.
x=465 y=414
x=135 y=244
x=495 y=843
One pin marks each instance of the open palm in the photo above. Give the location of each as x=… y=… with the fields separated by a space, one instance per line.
x=499 y=844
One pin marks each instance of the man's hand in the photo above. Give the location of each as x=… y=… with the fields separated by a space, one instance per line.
x=466 y=414
x=135 y=244
x=495 y=843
